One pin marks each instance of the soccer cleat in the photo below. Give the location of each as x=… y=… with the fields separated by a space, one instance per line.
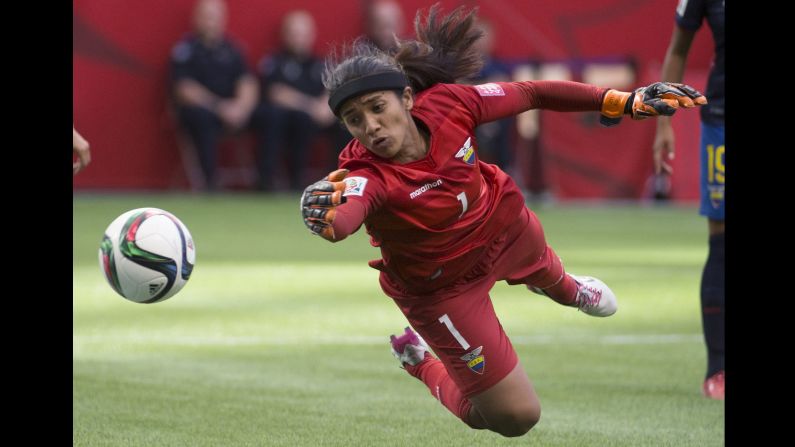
x=594 y=297
x=714 y=386
x=408 y=348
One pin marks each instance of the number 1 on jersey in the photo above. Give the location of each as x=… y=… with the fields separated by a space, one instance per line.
x=446 y=320
x=463 y=199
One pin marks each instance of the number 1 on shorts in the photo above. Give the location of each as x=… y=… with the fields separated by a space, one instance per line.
x=461 y=341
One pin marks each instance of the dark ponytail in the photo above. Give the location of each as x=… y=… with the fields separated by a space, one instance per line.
x=443 y=52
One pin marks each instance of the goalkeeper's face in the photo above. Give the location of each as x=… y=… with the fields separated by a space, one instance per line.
x=382 y=121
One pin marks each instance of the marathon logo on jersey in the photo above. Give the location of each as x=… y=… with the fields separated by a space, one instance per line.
x=424 y=188
x=354 y=186
x=475 y=361
x=490 y=89
x=467 y=152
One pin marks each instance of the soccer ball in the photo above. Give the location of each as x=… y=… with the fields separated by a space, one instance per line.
x=147 y=255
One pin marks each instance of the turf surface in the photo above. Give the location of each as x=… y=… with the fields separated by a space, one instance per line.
x=280 y=338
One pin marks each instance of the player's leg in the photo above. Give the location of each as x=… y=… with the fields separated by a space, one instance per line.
x=476 y=359
x=413 y=353
x=302 y=131
x=529 y=260
x=589 y=294
x=205 y=130
x=271 y=122
x=713 y=277
x=511 y=407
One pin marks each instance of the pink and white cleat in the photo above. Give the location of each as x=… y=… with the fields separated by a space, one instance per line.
x=409 y=348
x=594 y=297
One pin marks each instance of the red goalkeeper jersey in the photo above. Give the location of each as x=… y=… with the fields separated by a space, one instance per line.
x=432 y=218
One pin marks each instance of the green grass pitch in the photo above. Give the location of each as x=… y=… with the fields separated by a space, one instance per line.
x=281 y=339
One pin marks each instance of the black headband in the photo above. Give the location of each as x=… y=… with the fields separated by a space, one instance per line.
x=370 y=83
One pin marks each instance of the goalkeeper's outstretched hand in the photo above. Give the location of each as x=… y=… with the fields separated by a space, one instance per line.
x=319 y=202
x=660 y=98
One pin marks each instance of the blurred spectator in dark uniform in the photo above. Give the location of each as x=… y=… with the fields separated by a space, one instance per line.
x=383 y=21
x=494 y=138
x=295 y=103
x=214 y=92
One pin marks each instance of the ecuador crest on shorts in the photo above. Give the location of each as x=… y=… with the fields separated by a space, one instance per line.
x=475 y=361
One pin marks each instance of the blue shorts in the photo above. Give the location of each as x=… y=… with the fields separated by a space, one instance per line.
x=713 y=171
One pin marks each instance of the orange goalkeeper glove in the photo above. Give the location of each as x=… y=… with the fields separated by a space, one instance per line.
x=319 y=202
x=660 y=98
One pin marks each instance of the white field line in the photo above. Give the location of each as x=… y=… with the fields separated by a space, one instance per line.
x=223 y=340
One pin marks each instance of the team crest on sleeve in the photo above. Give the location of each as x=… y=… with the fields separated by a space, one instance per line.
x=475 y=361
x=490 y=89
x=354 y=186
x=467 y=152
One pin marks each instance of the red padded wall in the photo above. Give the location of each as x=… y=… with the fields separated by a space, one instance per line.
x=121 y=53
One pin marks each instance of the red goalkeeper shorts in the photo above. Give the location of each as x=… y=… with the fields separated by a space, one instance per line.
x=459 y=322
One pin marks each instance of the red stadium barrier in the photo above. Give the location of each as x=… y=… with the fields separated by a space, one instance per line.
x=121 y=54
